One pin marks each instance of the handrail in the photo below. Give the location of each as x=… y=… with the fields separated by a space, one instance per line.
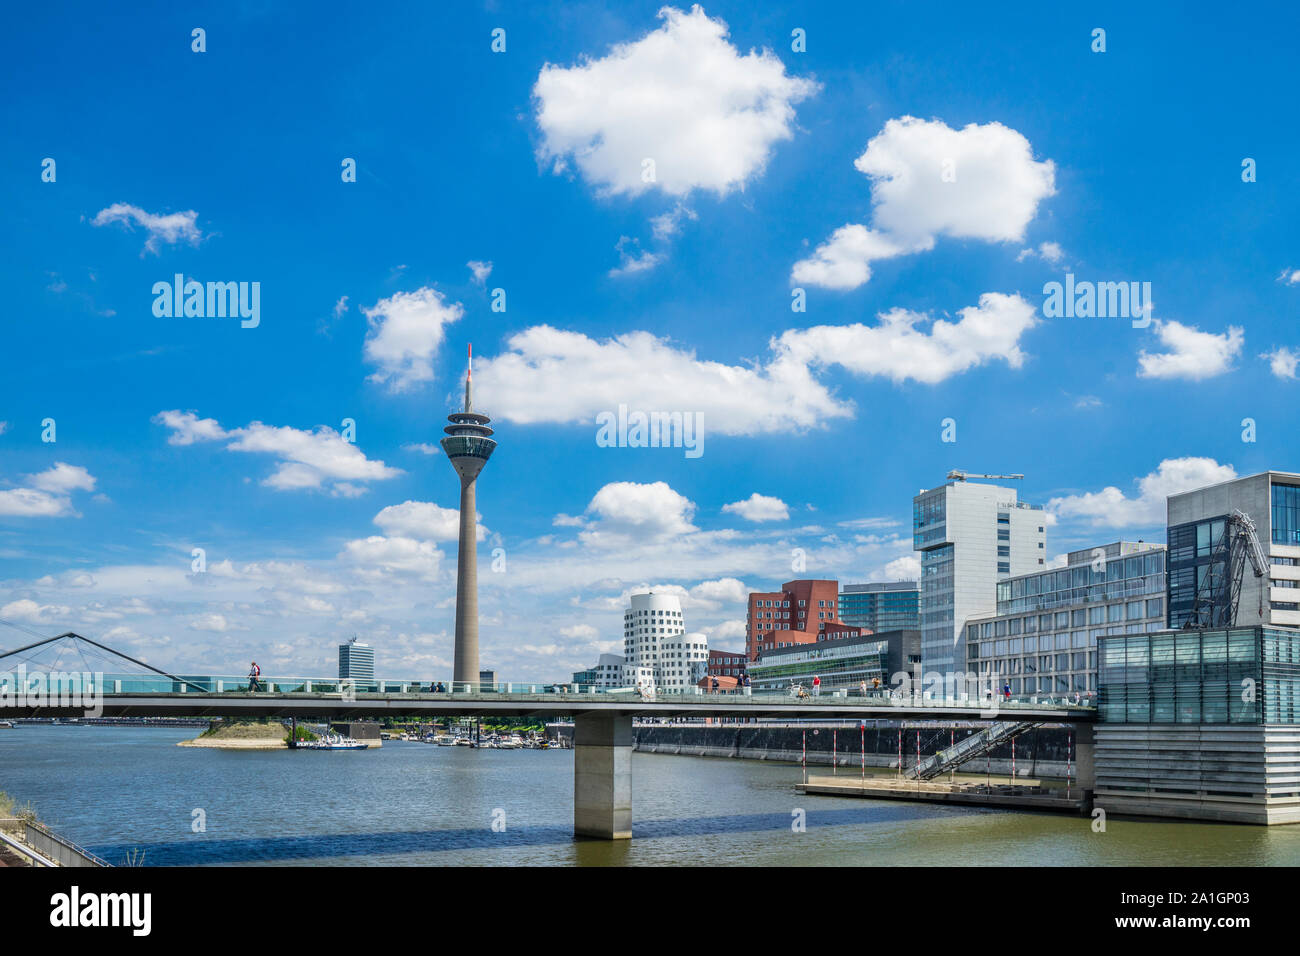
x=26 y=850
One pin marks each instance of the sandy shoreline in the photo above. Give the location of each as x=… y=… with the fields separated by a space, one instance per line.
x=218 y=743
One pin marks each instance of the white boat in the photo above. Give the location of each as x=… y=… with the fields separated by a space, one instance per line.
x=445 y=740
x=332 y=742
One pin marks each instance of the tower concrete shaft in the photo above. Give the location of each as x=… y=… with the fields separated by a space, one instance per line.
x=465 y=667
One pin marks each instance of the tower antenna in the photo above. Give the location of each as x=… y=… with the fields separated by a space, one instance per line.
x=469 y=374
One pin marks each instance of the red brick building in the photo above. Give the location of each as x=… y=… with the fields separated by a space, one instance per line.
x=802 y=612
x=726 y=664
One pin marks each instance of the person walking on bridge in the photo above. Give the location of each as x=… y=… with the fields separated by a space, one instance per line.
x=817 y=685
x=254 y=672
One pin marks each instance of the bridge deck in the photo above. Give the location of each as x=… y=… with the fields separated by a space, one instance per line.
x=542 y=705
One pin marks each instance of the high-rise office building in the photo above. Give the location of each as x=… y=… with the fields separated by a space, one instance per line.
x=469 y=445
x=356 y=661
x=970 y=536
x=892 y=606
x=1211 y=573
x=657 y=650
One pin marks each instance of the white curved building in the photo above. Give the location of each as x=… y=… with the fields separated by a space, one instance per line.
x=657 y=649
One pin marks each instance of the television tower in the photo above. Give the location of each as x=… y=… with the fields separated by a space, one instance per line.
x=469 y=445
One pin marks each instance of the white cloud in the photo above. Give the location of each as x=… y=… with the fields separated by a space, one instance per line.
x=759 y=508
x=424 y=448
x=405 y=332
x=624 y=510
x=187 y=428
x=308 y=459
x=377 y=556
x=668 y=224
x=632 y=259
x=1111 y=508
x=171 y=228
x=717 y=594
x=726 y=631
x=26 y=609
x=550 y=375
x=480 y=270
x=63 y=478
x=681 y=96
x=423 y=520
x=4 y=427
x=898 y=350
x=906 y=568
x=1192 y=354
x=29 y=503
x=47 y=494
x=1290 y=276
x=210 y=622
x=1282 y=361
x=930 y=180
x=1050 y=252
x=844 y=260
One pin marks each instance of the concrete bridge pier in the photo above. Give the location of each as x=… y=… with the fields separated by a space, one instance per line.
x=1085 y=748
x=602 y=776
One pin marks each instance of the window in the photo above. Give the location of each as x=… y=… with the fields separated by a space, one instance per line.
x=1286 y=514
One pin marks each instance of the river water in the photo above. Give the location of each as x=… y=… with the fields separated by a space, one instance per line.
x=116 y=790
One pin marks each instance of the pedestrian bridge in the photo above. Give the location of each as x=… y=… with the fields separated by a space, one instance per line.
x=603 y=718
x=77 y=699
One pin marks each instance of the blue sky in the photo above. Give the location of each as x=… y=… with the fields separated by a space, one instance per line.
x=666 y=295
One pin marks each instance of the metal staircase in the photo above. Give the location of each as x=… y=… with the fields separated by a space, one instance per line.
x=975 y=745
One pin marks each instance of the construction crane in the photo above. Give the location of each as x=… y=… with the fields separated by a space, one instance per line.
x=963 y=475
x=1244 y=546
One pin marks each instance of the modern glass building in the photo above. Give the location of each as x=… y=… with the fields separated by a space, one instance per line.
x=1201 y=723
x=845 y=662
x=970 y=536
x=1246 y=675
x=892 y=606
x=1043 y=638
x=1202 y=582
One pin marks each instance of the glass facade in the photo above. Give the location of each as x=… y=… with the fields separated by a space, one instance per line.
x=881 y=607
x=1044 y=637
x=1286 y=514
x=1248 y=675
x=936 y=602
x=838 y=664
x=1198 y=573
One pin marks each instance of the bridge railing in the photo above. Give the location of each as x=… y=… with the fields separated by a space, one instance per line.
x=332 y=686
